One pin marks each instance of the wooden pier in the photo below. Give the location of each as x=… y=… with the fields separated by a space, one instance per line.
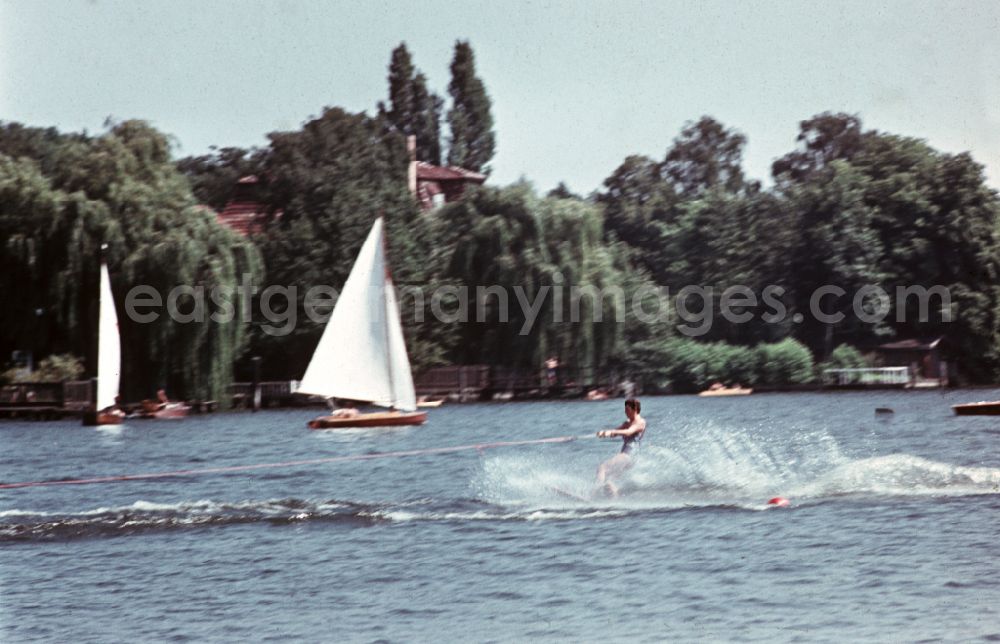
x=44 y=400
x=878 y=378
x=459 y=383
x=483 y=382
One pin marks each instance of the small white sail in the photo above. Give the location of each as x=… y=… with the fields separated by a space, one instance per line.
x=109 y=350
x=403 y=394
x=361 y=355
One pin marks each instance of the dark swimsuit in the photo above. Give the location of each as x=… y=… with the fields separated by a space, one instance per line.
x=630 y=444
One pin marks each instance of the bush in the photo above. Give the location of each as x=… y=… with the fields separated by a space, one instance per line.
x=55 y=368
x=845 y=357
x=687 y=366
x=787 y=362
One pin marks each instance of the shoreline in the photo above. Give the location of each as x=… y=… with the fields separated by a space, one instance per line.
x=42 y=413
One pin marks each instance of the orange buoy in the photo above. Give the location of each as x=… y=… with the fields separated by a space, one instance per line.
x=779 y=502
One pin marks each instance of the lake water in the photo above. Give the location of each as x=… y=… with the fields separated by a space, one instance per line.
x=892 y=533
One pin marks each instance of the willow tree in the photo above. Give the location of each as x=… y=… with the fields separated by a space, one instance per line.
x=528 y=251
x=120 y=188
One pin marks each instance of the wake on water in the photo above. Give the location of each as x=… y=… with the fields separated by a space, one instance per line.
x=709 y=466
x=703 y=467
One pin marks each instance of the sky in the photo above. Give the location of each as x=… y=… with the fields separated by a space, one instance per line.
x=576 y=86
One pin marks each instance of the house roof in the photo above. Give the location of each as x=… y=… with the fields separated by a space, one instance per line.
x=430 y=172
x=244 y=217
x=244 y=214
x=911 y=344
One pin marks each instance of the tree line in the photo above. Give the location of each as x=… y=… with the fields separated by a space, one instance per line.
x=848 y=206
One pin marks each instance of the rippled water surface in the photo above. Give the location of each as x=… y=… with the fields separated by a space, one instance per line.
x=893 y=532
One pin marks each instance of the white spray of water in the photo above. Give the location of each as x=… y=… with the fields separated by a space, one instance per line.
x=704 y=465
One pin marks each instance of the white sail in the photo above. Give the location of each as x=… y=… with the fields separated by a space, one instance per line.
x=361 y=355
x=403 y=394
x=109 y=350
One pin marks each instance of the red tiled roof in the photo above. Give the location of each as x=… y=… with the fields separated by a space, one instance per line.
x=910 y=344
x=244 y=217
x=429 y=172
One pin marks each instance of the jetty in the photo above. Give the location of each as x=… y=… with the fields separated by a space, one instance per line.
x=880 y=378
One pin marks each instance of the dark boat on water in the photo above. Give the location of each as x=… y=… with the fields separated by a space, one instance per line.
x=983 y=408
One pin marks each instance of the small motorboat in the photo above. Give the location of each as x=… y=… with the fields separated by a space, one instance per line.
x=429 y=403
x=726 y=391
x=163 y=408
x=982 y=408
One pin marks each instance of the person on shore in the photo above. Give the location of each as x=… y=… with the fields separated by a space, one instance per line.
x=552 y=370
x=631 y=432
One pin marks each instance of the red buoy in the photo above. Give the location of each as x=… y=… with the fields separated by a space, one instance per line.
x=779 y=502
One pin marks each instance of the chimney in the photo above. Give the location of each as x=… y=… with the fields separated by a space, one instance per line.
x=411 y=176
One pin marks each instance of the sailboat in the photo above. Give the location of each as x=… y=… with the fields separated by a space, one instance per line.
x=109 y=363
x=362 y=355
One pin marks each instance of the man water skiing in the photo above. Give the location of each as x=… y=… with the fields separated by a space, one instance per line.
x=631 y=432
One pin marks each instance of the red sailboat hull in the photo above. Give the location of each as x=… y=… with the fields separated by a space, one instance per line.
x=378 y=419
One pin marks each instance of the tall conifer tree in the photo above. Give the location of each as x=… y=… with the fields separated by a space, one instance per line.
x=413 y=109
x=472 y=139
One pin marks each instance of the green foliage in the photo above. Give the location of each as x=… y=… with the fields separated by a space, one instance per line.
x=512 y=239
x=684 y=365
x=562 y=191
x=55 y=368
x=647 y=201
x=938 y=222
x=706 y=155
x=694 y=366
x=851 y=209
x=835 y=244
x=787 y=362
x=916 y=217
x=331 y=180
x=213 y=176
x=56 y=209
x=845 y=357
x=413 y=108
x=823 y=139
x=472 y=140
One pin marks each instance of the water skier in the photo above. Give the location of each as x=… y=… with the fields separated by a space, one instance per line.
x=631 y=432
